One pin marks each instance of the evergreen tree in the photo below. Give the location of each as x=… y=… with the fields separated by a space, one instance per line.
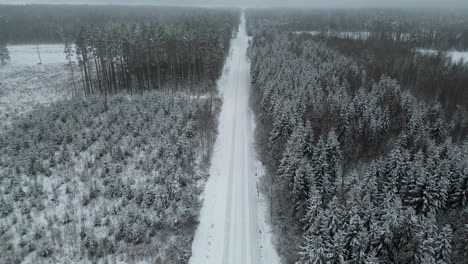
x=4 y=53
x=443 y=247
x=326 y=166
x=334 y=156
x=426 y=235
x=335 y=251
x=314 y=207
x=391 y=209
x=355 y=238
x=408 y=191
x=294 y=166
x=397 y=167
x=403 y=244
x=316 y=243
x=464 y=242
x=458 y=179
x=425 y=196
x=69 y=56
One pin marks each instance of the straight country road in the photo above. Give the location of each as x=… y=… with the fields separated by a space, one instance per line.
x=232 y=228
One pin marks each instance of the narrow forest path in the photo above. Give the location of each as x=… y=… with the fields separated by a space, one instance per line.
x=232 y=227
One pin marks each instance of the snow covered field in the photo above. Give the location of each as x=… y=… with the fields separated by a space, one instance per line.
x=232 y=226
x=456 y=56
x=351 y=35
x=28 y=55
x=24 y=84
x=363 y=35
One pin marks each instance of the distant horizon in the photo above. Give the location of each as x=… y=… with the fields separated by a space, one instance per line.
x=349 y=4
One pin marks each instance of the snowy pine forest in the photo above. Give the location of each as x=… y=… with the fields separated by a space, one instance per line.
x=111 y=170
x=84 y=183
x=338 y=135
x=359 y=169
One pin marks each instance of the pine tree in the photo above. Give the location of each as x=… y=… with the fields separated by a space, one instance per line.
x=355 y=238
x=294 y=166
x=397 y=167
x=4 y=53
x=443 y=247
x=438 y=131
x=314 y=207
x=323 y=170
x=334 y=156
x=316 y=243
x=335 y=251
x=391 y=209
x=68 y=56
x=403 y=243
x=458 y=178
x=379 y=234
x=464 y=241
x=426 y=234
x=408 y=183
x=425 y=196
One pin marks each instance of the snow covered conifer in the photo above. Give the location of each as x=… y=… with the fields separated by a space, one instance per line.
x=69 y=56
x=408 y=183
x=316 y=240
x=397 y=167
x=425 y=234
x=4 y=53
x=293 y=166
x=438 y=130
x=391 y=211
x=334 y=156
x=458 y=178
x=314 y=207
x=443 y=247
x=335 y=251
x=322 y=168
x=356 y=238
x=309 y=139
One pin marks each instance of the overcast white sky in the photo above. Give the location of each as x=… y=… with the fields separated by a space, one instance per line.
x=262 y=3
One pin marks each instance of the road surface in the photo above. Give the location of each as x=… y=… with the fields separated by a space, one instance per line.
x=232 y=226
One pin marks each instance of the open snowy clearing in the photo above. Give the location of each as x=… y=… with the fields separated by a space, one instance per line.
x=24 y=84
x=28 y=55
x=233 y=228
x=356 y=35
x=456 y=56
x=351 y=35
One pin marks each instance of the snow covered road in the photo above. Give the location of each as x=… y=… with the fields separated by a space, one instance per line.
x=232 y=227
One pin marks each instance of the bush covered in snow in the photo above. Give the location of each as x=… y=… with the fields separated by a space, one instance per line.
x=82 y=183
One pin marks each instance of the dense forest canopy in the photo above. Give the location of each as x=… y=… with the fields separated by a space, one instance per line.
x=359 y=169
x=130 y=48
x=428 y=28
x=433 y=77
x=115 y=175
x=83 y=183
x=55 y=23
x=182 y=51
x=430 y=77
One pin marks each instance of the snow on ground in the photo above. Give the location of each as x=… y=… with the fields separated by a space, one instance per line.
x=357 y=35
x=28 y=55
x=24 y=84
x=456 y=56
x=351 y=35
x=233 y=229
